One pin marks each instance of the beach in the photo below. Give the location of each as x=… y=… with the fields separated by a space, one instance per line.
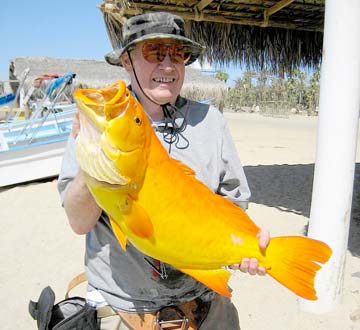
x=38 y=247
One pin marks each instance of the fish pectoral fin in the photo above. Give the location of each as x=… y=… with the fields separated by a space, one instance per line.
x=215 y=279
x=138 y=221
x=118 y=233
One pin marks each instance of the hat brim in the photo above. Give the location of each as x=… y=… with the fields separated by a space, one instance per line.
x=114 y=57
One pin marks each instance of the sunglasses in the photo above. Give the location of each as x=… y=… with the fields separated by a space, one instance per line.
x=155 y=52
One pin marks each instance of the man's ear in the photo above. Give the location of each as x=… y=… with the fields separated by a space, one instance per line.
x=126 y=63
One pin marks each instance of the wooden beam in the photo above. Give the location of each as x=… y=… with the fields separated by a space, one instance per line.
x=202 y=4
x=142 y=8
x=280 y=5
x=212 y=15
x=298 y=9
x=272 y=10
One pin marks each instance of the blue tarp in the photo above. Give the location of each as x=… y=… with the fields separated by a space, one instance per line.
x=66 y=78
x=7 y=98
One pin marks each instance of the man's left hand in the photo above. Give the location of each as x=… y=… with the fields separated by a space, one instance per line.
x=251 y=265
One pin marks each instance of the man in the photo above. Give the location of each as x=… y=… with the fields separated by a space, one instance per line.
x=155 y=52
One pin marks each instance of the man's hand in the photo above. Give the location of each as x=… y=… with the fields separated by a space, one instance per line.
x=250 y=265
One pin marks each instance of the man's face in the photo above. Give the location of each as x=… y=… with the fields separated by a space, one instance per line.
x=159 y=66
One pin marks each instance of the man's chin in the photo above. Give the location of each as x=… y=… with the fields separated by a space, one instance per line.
x=164 y=98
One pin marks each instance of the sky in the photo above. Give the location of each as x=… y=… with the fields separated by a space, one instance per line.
x=72 y=29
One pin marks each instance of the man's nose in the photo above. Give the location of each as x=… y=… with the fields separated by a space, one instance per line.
x=166 y=64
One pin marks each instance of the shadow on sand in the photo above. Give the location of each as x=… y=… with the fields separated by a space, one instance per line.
x=289 y=188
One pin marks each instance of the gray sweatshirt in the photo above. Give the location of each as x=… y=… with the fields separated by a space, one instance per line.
x=127 y=280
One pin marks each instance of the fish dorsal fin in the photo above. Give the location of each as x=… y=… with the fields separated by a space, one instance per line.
x=215 y=279
x=118 y=233
x=137 y=220
x=186 y=169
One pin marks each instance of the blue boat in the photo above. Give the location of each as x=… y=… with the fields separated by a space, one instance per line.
x=36 y=152
x=32 y=149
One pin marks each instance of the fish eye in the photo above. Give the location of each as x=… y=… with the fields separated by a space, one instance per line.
x=137 y=120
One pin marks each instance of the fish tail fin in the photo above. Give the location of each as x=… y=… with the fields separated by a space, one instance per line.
x=294 y=261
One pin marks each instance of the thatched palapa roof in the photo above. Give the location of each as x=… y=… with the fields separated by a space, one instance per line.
x=277 y=34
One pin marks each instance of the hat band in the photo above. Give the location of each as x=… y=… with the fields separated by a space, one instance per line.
x=170 y=30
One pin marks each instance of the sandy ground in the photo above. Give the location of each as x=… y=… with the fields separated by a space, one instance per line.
x=38 y=248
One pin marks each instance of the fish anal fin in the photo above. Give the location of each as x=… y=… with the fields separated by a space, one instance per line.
x=137 y=220
x=215 y=279
x=118 y=233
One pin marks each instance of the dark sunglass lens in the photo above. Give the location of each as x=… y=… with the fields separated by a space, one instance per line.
x=151 y=52
x=156 y=52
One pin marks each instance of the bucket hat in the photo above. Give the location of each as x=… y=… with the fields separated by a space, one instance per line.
x=155 y=25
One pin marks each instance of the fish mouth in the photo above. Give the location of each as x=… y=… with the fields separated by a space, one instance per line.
x=102 y=105
x=107 y=145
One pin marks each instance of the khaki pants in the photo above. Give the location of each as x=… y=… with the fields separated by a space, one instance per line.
x=222 y=316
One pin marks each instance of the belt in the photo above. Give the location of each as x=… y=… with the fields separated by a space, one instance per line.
x=187 y=316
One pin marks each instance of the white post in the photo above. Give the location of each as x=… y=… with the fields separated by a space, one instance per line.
x=336 y=147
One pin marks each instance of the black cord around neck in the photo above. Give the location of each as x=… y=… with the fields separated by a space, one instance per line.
x=172 y=132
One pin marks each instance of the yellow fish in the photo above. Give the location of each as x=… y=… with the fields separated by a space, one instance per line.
x=156 y=203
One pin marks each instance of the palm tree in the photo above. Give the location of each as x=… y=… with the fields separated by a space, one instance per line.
x=300 y=78
x=313 y=90
x=262 y=87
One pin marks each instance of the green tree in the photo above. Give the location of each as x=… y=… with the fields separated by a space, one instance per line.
x=300 y=78
x=262 y=87
x=290 y=91
x=221 y=75
x=313 y=90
